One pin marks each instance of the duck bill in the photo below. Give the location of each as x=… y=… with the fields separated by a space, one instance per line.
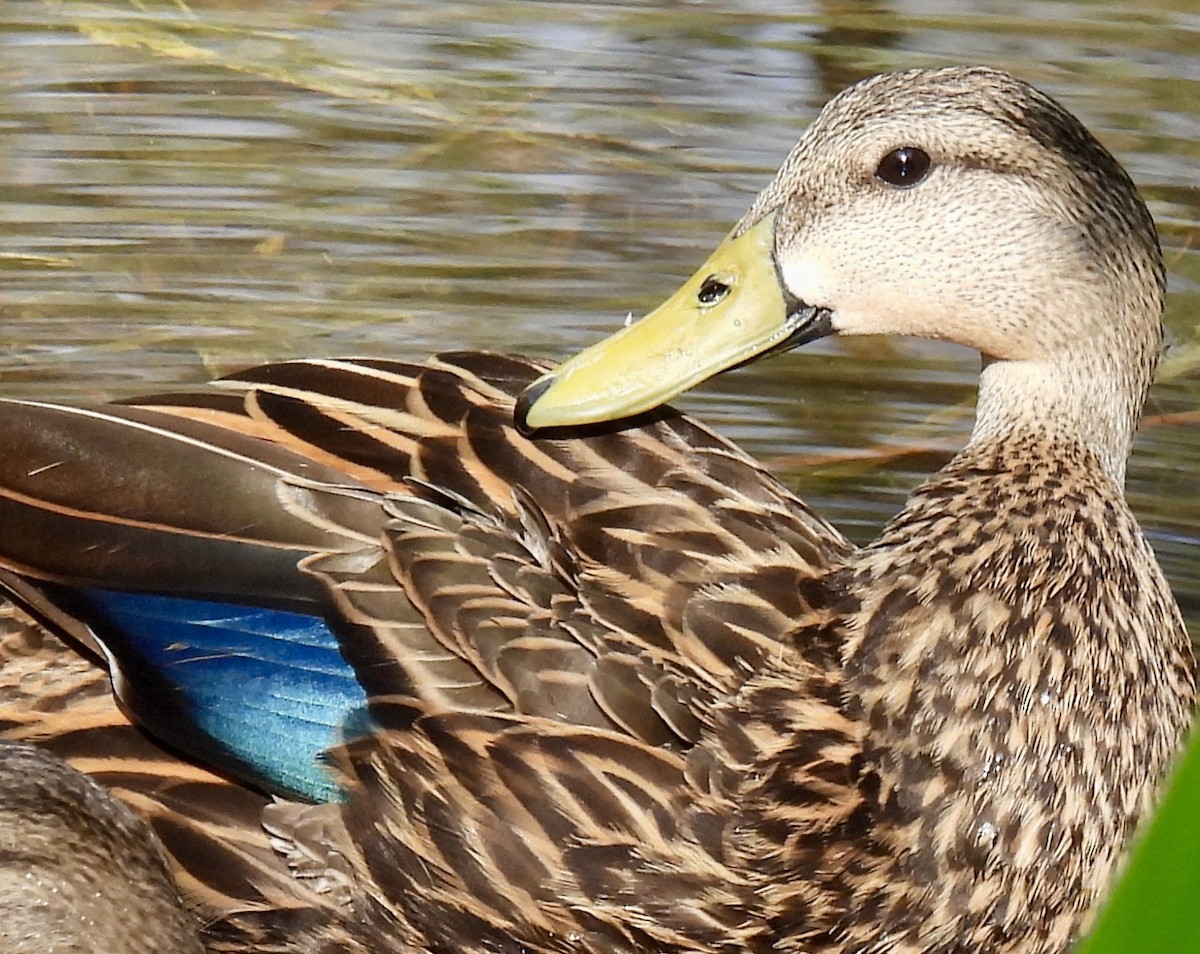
x=733 y=310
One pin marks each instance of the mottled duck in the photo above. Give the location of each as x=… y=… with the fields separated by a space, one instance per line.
x=401 y=670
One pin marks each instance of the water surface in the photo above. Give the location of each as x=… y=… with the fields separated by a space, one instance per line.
x=186 y=189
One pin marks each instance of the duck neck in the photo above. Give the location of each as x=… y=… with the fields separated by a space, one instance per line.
x=1091 y=398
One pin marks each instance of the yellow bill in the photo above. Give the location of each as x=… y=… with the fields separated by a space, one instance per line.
x=732 y=310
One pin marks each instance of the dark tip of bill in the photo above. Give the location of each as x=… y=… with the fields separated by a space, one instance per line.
x=526 y=401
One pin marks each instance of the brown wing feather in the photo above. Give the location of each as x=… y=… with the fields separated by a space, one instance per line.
x=556 y=634
x=662 y=550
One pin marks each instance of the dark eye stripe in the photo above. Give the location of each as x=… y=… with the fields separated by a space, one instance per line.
x=904 y=167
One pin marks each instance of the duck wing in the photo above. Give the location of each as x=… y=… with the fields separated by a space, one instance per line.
x=320 y=568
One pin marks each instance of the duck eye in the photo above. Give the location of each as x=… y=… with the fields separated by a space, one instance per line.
x=712 y=291
x=904 y=167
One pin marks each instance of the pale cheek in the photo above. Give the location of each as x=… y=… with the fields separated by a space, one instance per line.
x=877 y=315
x=885 y=280
x=869 y=292
x=811 y=280
x=863 y=300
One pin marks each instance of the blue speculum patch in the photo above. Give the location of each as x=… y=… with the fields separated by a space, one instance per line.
x=258 y=693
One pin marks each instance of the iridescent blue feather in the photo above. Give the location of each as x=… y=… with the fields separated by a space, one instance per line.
x=261 y=693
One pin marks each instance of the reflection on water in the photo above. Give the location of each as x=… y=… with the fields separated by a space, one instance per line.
x=188 y=189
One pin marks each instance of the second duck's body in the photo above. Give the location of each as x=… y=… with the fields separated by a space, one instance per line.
x=617 y=689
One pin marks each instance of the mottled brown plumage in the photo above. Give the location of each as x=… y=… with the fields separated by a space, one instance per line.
x=629 y=693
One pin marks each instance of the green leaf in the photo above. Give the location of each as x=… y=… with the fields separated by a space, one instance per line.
x=1156 y=904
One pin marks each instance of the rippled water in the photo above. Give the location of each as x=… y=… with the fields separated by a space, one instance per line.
x=189 y=188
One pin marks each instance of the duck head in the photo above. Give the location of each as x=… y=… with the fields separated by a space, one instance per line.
x=955 y=204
